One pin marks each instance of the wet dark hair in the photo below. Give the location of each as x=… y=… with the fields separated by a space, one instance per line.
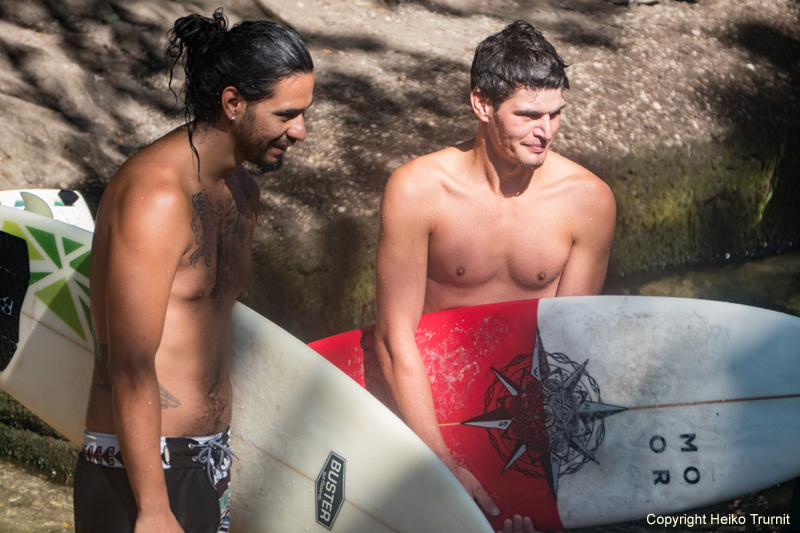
x=517 y=56
x=252 y=56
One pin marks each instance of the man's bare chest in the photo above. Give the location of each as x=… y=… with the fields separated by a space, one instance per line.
x=525 y=249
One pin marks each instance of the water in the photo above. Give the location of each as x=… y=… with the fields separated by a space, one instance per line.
x=771 y=283
x=31 y=503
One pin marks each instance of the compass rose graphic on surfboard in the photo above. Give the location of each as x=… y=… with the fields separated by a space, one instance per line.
x=545 y=412
x=699 y=401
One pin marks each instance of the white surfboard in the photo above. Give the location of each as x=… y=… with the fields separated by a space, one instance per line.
x=64 y=205
x=711 y=392
x=316 y=451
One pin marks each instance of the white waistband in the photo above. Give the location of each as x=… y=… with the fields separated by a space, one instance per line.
x=103 y=448
x=96 y=438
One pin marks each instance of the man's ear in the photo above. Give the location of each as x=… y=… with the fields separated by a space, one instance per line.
x=480 y=105
x=233 y=104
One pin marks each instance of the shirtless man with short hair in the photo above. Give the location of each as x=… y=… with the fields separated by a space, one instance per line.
x=498 y=218
x=171 y=252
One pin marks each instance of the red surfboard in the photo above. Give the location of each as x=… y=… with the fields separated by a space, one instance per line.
x=466 y=397
x=592 y=410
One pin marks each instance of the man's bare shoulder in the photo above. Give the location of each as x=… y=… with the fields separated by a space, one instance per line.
x=588 y=199
x=164 y=158
x=150 y=187
x=578 y=180
x=427 y=174
x=415 y=192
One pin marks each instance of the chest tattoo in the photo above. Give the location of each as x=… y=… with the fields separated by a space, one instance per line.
x=213 y=222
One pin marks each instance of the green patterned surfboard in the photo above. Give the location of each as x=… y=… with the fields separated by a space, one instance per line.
x=56 y=308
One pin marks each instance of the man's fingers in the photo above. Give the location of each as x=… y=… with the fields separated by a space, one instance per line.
x=485 y=502
x=527 y=525
x=518 y=525
x=474 y=488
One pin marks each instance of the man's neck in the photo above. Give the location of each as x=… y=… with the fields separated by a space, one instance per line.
x=215 y=150
x=506 y=177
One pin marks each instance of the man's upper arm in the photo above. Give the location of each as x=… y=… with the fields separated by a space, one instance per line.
x=143 y=253
x=402 y=256
x=586 y=267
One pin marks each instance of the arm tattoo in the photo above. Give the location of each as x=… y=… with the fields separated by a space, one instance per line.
x=101 y=364
x=167 y=399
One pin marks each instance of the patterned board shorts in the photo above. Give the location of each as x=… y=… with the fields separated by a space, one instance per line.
x=197 y=471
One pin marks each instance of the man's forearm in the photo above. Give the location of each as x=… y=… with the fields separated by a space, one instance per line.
x=410 y=392
x=137 y=418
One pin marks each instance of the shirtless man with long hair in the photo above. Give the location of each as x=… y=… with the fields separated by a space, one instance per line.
x=171 y=253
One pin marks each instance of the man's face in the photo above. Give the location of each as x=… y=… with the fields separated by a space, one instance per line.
x=269 y=127
x=523 y=127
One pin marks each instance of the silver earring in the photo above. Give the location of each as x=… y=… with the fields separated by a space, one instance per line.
x=233 y=118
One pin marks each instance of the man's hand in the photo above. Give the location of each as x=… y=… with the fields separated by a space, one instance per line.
x=475 y=490
x=518 y=525
x=161 y=522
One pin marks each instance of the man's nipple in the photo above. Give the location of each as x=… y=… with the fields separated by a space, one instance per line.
x=460 y=271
